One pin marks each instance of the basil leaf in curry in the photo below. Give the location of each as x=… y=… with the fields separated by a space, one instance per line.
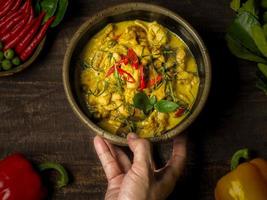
x=240 y=51
x=141 y=101
x=49 y=7
x=166 y=106
x=60 y=12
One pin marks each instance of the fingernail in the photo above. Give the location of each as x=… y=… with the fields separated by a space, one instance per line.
x=132 y=136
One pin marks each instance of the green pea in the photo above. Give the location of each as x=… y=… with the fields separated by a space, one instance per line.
x=1 y=45
x=16 y=61
x=1 y=55
x=6 y=65
x=9 y=54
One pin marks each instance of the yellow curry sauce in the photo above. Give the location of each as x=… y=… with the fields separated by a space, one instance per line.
x=131 y=62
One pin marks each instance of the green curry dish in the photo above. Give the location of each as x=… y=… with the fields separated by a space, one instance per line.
x=148 y=72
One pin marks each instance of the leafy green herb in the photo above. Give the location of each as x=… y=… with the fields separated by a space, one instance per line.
x=263 y=69
x=142 y=102
x=250 y=6
x=166 y=106
x=264 y=4
x=240 y=30
x=49 y=7
x=261 y=85
x=259 y=39
x=153 y=100
x=241 y=52
x=118 y=79
x=247 y=37
x=60 y=11
x=235 y=4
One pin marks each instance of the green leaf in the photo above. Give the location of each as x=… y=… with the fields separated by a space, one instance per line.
x=242 y=52
x=264 y=4
x=166 y=106
x=60 y=12
x=141 y=101
x=153 y=100
x=37 y=7
x=259 y=38
x=235 y=4
x=250 y=6
x=263 y=69
x=264 y=17
x=240 y=30
x=265 y=29
x=49 y=7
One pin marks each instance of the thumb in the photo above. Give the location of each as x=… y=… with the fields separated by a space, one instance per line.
x=141 y=149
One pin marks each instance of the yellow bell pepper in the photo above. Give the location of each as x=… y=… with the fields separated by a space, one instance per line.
x=247 y=181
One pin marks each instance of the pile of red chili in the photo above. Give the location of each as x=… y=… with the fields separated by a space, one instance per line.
x=20 y=31
x=132 y=59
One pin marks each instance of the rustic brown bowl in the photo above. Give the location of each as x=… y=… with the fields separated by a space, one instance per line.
x=25 y=64
x=131 y=11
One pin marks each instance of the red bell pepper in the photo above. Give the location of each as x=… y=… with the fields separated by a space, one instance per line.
x=19 y=181
x=180 y=112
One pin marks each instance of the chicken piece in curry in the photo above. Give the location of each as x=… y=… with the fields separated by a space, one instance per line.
x=138 y=76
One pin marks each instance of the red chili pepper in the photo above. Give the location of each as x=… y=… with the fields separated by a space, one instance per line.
x=180 y=112
x=13 y=21
x=142 y=78
x=126 y=76
x=8 y=15
x=124 y=59
x=31 y=15
x=133 y=59
x=36 y=41
x=155 y=81
x=14 y=14
x=20 y=181
x=26 y=41
x=17 y=38
x=17 y=4
x=6 y=8
x=110 y=71
x=15 y=31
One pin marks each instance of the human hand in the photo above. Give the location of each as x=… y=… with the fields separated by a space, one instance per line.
x=139 y=180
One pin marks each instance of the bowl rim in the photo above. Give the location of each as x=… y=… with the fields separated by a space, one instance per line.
x=26 y=64
x=132 y=7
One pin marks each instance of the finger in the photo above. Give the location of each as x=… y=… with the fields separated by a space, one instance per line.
x=107 y=160
x=123 y=160
x=141 y=149
x=175 y=165
x=168 y=175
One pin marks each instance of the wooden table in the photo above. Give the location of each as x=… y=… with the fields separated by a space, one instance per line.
x=36 y=119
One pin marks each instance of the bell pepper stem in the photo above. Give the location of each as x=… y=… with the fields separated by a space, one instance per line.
x=240 y=154
x=63 y=175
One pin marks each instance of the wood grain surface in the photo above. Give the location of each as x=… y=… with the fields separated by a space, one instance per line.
x=36 y=119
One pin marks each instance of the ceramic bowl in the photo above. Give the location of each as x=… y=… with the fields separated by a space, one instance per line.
x=132 y=11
